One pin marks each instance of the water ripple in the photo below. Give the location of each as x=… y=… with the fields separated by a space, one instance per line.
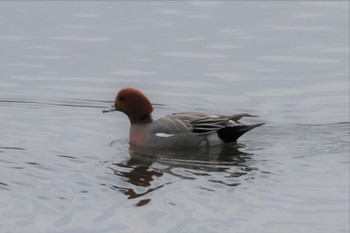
x=67 y=103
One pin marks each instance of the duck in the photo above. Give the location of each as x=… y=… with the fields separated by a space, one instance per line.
x=177 y=130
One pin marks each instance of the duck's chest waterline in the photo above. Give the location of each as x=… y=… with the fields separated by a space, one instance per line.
x=138 y=135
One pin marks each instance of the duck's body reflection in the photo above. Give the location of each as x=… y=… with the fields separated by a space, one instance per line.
x=139 y=171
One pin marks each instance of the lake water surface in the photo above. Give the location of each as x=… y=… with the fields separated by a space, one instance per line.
x=66 y=167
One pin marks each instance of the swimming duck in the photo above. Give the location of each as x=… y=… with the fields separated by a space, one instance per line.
x=177 y=130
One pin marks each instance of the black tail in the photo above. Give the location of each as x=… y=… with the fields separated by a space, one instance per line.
x=231 y=134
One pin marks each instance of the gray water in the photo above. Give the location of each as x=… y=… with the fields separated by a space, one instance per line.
x=66 y=167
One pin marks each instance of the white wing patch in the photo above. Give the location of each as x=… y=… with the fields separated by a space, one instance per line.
x=164 y=135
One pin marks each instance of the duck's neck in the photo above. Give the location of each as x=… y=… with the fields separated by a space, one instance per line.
x=145 y=119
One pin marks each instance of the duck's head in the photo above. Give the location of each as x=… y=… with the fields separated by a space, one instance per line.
x=133 y=103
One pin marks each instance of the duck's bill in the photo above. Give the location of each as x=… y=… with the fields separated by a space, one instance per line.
x=112 y=108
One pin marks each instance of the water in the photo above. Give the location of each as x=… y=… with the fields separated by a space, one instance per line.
x=66 y=167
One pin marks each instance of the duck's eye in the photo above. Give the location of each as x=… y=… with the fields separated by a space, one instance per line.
x=122 y=98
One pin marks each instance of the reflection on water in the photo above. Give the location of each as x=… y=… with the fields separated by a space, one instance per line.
x=139 y=174
x=227 y=162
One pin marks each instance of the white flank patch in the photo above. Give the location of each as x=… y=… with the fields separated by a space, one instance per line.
x=164 y=135
x=213 y=139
